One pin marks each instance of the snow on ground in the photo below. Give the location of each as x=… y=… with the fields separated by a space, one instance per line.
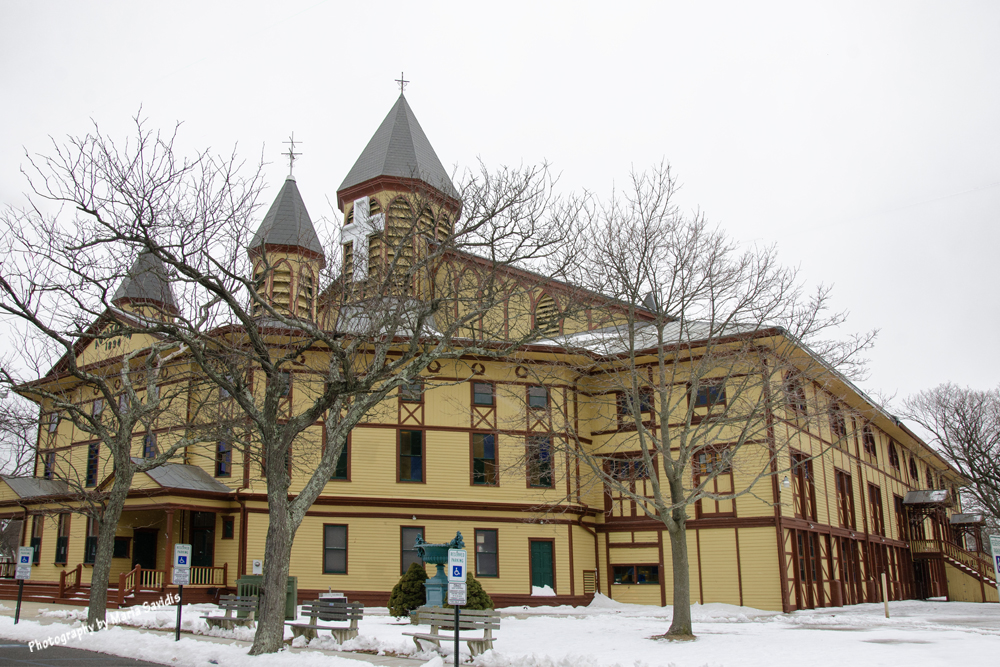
x=604 y=634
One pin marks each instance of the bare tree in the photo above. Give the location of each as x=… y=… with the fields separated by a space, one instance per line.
x=965 y=425
x=18 y=431
x=701 y=352
x=93 y=352
x=345 y=342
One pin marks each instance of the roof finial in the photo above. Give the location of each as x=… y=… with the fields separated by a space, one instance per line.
x=291 y=153
x=402 y=83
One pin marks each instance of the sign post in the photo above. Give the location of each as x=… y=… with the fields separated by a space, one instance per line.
x=456 y=586
x=995 y=549
x=25 y=555
x=181 y=576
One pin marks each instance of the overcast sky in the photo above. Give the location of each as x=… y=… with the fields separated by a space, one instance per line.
x=861 y=137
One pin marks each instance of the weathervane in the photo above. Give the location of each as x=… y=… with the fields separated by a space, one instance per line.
x=402 y=83
x=291 y=152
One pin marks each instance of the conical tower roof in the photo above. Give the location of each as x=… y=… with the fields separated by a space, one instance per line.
x=287 y=223
x=399 y=149
x=146 y=283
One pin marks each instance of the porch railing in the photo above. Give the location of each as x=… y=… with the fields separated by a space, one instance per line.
x=210 y=575
x=7 y=568
x=65 y=577
x=139 y=579
x=956 y=553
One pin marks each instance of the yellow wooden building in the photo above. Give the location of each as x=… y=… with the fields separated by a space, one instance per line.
x=470 y=449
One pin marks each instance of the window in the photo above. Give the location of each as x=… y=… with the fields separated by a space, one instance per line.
x=838 y=426
x=901 y=523
x=540 y=461
x=713 y=460
x=412 y=392
x=845 y=499
x=37 y=522
x=538 y=397
x=62 y=539
x=224 y=458
x=868 y=440
x=228 y=527
x=121 y=548
x=93 y=460
x=98 y=408
x=486 y=553
x=875 y=504
x=710 y=396
x=914 y=474
x=637 y=574
x=804 y=486
x=149 y=450
x=407 y=547
x=893 y=456
x=334 y=549
x=411 y=456
x=50 y=465
x=930 y=479
x=482 y=393
x=90 y=545
x=123 y=402
x=626 y=470
x=284 y=384
x=484 y=459
x=340 y=470
x=626 y=401
x=53 y=422
x=795 y=395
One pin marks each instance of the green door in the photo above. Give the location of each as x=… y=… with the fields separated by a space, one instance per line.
x=541 y=564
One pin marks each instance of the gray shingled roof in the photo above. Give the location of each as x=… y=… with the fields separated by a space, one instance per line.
x=287 y=222
x=31 y=487
x=180 y=476
x=146 y=283
x=400 y=148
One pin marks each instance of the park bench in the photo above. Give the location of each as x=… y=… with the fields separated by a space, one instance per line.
x=443 y=620
x=337 y=611
x=231 y=604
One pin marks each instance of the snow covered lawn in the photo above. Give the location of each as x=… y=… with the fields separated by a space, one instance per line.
x=604 y=634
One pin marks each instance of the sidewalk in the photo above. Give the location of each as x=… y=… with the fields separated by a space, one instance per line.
x=29 y=612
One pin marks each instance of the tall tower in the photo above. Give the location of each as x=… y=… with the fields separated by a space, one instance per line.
x=395 y=197
x=145 y=290
x=287 y=256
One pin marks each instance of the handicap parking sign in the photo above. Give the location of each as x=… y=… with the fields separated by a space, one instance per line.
x=182 y=560
x=456 y=571
x=25 y=559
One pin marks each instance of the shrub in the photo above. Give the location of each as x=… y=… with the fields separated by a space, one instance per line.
x=409 y=593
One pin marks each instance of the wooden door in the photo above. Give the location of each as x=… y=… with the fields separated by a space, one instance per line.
x=542 y=572
x=144 y=549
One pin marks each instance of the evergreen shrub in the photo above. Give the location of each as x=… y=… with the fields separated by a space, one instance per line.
x=409 y=593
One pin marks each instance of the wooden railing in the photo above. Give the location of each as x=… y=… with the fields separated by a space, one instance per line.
x=7 y=568
x=210 y=575
x=956 y=553
x=76 y=575
x=137 y=580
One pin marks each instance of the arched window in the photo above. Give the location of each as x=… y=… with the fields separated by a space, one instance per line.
x=893 y=456
x=795 y=394
x=914 y=475
x=547 y=316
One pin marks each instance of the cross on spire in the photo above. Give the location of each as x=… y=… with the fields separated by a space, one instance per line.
x=402 y=83
x=291 y=152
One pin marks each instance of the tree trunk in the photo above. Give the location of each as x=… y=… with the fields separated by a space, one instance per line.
x=106 y=545
x=277 y=554
x=680 y=625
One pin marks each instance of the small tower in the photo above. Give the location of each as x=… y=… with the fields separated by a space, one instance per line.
x=146 y=290
x=287 y=255
x=397 y=188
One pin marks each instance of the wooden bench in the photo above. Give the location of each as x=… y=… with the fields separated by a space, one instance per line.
x=234 y=603
x=441 y=619
x=337 y=611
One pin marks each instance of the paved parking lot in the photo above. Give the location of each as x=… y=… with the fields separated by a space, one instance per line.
x=14 y=653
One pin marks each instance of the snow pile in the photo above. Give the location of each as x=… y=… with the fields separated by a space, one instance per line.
x=543 y=591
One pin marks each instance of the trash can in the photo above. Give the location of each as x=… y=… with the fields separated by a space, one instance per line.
x=251 y=584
